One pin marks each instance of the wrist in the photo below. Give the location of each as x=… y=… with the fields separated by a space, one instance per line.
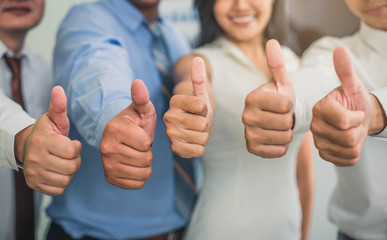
x=378 y=119
x=20 y=144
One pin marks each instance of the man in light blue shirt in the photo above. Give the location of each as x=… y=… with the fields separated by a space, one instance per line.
x=101 y=48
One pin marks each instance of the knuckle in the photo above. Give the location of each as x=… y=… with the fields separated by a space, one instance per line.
x=248 y=118
x=29 y=172
x=30 y=183
x=319 y=145
x=70 y=152
x=66 y=181
x=73 y=167
x=343 y=122
x=201 y=105
x=282 y=151
x=110 y=180
x=52 y=191
x=285 y=106
x=196 y=151
x=251 y=98
x=167 y=118
x=356 y=152
x=252 y=148
x=108 y=167
x=176 y=148
x=60 y=191
x=351 y=139
x=36 y=139
x=288 y=136
x=288 y=122
x=136 y=185
x=105 y=147
x=203 y=125
x=148 y=173
x=174 y=100
x=205 y=138
x=148 y=158
x=352 y=162
x=146 y=144
x=171 y=132
x=199 y=151
x=250 y=136
x=316 y=110
x=314 y=127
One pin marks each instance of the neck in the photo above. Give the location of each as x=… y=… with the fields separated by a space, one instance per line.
x=149 y=13
x=149 y=10
x=255 y=51
x=13 y=40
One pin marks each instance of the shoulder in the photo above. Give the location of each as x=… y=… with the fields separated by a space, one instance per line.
x=323 y=45
x=36 y=59
x=87 y=16
x=39 y=66
x=216 y=48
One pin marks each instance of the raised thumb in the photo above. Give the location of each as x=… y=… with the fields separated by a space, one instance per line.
x=343 y=66
x=199 y=77
x=140 y=97
x=57 y=110
x=276 y=63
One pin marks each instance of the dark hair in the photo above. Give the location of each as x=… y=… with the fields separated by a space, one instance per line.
x=210 y=29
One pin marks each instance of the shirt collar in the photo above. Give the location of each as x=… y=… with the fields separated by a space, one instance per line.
x=9 y=53
x=235 y=52
x=374 y=38
x=128 y=14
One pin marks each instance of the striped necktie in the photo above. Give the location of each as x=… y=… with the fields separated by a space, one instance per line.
x=24 y=205
x=185 y=191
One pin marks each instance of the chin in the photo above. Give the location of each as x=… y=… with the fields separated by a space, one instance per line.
x=145 y=3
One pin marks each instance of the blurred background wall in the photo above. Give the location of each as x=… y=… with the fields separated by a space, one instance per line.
x=309 y=19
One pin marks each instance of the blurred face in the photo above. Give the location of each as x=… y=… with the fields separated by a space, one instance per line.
x=372 y=12
x=147 y=7
x=243 y=20
x=20 y=15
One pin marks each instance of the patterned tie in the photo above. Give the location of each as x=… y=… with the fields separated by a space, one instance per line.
x=185 y=191
x=24 y=206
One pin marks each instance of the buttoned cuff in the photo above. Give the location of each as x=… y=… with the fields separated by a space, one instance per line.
x=10 y=126
x=302 y=118
x=381 y=95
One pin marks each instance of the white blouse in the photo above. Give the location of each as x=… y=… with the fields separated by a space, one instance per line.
x=359 y=202
x=243 y=196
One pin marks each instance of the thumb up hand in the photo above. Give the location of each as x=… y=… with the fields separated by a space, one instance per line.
x=268 y=113
x=127 y=139
x=51 y=158
x=340 y=120
x=190 y=117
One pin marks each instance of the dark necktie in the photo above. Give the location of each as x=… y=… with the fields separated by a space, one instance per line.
x=185 y=191
x=24 y=205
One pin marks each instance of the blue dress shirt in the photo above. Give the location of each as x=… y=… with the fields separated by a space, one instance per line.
x=101 y=48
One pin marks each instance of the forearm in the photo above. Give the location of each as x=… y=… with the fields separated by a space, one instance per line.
x=306 y=200
x=305 y=182
x=13 y=119
x=378 y=119
x=93 y=100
